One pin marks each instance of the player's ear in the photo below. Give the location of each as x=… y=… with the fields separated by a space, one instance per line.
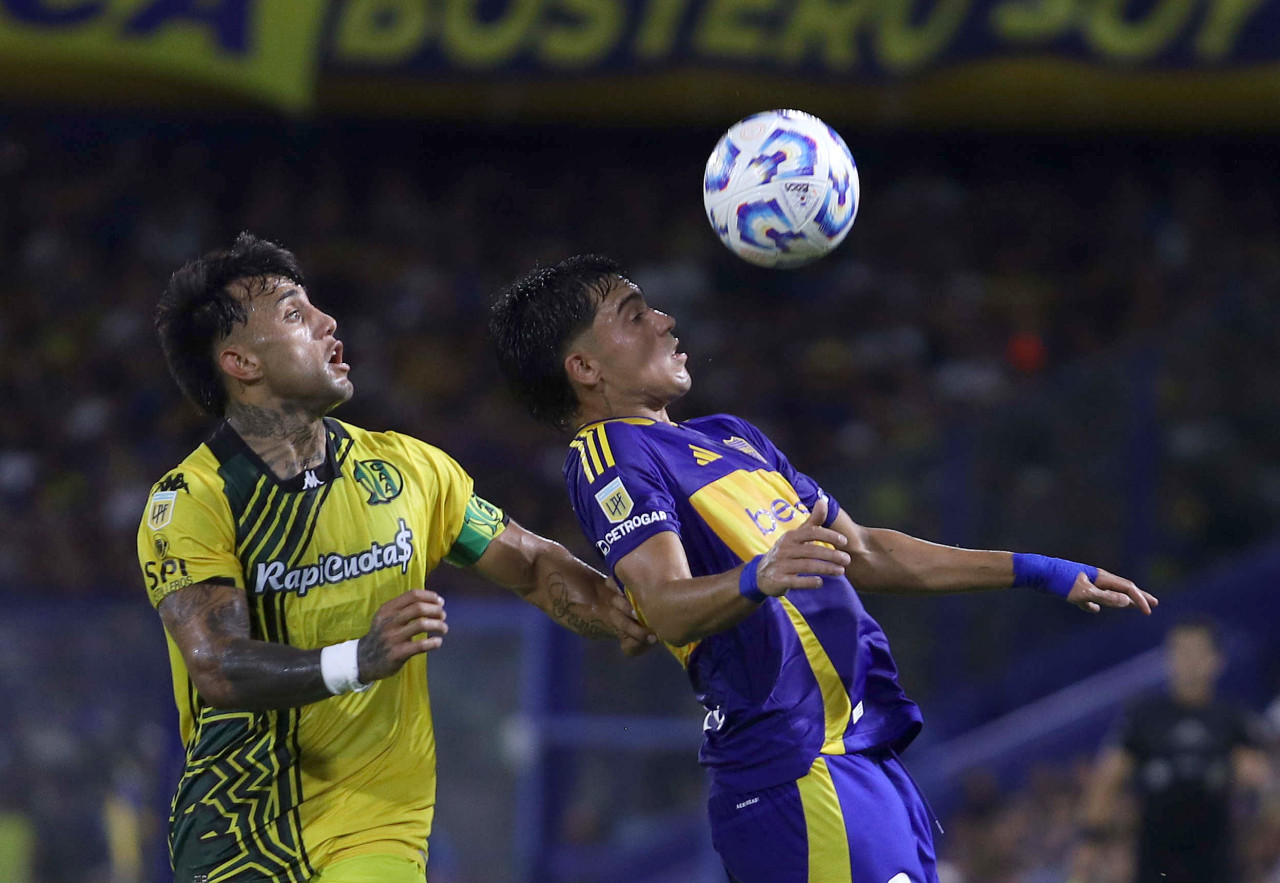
x=239 y=364
x=581 y=369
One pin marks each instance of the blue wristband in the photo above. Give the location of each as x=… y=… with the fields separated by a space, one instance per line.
x=1053 y=576
x=747 y=581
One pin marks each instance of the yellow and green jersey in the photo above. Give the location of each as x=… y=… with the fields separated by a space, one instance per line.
x=277 y=795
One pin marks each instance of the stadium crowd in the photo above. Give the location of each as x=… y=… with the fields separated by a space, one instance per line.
x=1050 y=344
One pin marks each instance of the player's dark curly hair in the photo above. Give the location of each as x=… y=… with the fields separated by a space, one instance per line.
x=531 y=323
x=197 y=310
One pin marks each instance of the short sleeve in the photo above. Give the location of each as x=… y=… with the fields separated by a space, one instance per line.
x=187 y=536
x=619 y=490
x=448 y=489
x=808 y=489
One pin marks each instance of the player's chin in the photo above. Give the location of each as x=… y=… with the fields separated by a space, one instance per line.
x=341 y=390
x=682 y=380
x=677 y=390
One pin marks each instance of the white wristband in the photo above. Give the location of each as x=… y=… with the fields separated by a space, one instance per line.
x=340 y=668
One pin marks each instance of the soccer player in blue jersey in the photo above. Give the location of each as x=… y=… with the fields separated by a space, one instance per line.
x=746 y=571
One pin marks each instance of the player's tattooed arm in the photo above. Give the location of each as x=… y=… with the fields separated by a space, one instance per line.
x=570 y=613
x=572 y=593
x=209 y=622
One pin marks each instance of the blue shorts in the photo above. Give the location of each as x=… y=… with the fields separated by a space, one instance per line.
x=854 y=818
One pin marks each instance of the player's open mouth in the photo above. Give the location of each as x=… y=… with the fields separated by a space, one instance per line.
x=335 y=358
x=675 y=351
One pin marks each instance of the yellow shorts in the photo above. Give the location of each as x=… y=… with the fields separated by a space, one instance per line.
x=372 y=869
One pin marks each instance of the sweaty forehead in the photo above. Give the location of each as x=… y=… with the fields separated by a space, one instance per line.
x=263 y=290
x=616 y=290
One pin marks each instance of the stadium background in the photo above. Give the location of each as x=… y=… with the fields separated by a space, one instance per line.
x=1053 y=328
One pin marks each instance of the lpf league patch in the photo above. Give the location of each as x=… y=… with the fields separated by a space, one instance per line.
x=161 y=511
x=614 y=500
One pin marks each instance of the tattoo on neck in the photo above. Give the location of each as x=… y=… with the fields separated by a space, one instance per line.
x=562 y=608
x=287 y=441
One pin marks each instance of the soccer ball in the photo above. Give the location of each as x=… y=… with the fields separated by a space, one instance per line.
x=781 y=189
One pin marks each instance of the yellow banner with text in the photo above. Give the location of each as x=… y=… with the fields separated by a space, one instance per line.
x=188 y=51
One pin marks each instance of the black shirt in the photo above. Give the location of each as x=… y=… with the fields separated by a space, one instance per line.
x=1182 y=774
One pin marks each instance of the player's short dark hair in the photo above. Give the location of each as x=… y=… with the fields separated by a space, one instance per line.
x=198 y=309
x=531 y=323
x=1202 y=623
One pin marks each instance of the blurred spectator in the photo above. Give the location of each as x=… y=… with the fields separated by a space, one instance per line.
x=1185 y=754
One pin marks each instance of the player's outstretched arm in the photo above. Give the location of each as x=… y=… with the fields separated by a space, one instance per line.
x=209 y=622
x=889 y=561
x=682 y=608
x=567 y=589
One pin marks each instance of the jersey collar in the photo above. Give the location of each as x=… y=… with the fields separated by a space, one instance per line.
x=228 y=439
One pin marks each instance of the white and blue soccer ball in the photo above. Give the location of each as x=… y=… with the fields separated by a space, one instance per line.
x=781 y=189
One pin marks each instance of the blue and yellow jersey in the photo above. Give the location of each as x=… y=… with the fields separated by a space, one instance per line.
x=804 y=675
x=276 y=795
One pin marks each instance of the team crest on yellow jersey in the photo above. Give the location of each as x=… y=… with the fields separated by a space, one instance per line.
x=381 y=479
x=614 y=500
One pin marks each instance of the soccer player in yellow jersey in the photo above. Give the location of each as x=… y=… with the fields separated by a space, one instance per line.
x=287 y=557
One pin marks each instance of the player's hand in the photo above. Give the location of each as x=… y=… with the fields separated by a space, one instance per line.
x=634 y=637
x=1110 y=590
x=801 y=557
x=405 y=626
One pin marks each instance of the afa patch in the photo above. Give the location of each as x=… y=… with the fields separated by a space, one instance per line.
x=160 y=512
x=614 y=500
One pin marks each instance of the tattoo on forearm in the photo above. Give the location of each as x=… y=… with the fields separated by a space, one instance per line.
x=266 y=675
x=562 y=608
x=212 y=621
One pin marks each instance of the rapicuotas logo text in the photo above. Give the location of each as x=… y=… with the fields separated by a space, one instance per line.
x=330 y=568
